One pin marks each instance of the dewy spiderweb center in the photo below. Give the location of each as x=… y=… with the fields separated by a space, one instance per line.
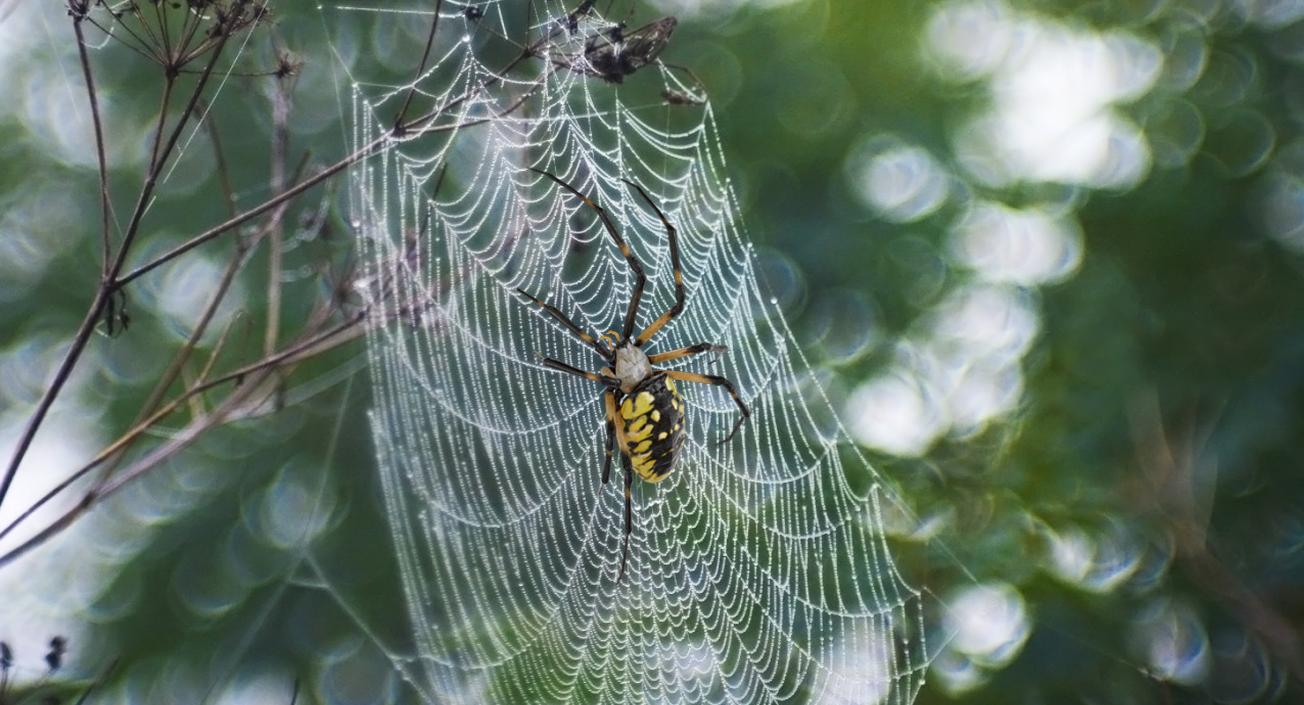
x=757 y=572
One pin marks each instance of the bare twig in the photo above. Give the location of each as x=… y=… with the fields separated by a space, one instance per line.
x=357 y=155
x=425 y=56
x=223 y=171
x=236 y=221
x=100 y=680
x=249 y=379
x=217 y=351
x=180 y=441
x=1169 y=488
x=145 y=50
x=101 y=161
x=201 y=327
x=108 y=286
x=280 y=141
x=236 y=263
x=114 y=280
x=169 y=84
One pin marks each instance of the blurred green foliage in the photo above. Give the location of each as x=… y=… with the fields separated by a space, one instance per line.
x=1141 y=494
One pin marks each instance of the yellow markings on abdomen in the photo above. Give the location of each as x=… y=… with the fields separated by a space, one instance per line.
x=653 y=418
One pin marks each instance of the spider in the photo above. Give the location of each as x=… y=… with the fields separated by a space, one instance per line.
x=645 y=414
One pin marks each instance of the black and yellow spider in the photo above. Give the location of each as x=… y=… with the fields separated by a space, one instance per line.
x=645 y=414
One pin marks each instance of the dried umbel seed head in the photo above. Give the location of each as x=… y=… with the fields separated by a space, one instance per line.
x=78 y=9
x=54 y=657
x=288 y=65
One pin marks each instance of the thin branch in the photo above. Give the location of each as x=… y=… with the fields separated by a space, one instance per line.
x=100 y=680
x=295 y=353
x=155 y=43
x=145 y=49
x=103 y=293
x=189 y=28
x=250 y=214
x=223 y=171
x=179 y=442
x=56 y=385
x=348 y=160
x=280 y=140
x=105 y=245
x=421 y=68
x=270 y=73
x=147 y=191
x=238 y=259
x=1168 y=489
x=207 y=369
x=115 y=281
x=162 y=21
x=170 y=375
x=169 y=83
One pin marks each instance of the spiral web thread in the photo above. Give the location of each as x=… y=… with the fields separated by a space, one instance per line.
x=759 y=570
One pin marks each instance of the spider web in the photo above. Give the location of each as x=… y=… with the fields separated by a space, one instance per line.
x=759 y=570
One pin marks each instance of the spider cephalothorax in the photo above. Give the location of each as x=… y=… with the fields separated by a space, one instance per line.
x=644 y=411
x=632 y=366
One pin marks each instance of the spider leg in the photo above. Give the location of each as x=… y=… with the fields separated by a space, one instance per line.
x=629 y=517
x=615 y=433
x=616 y=437
x=567 y=323
x=719 y=382
x=640 y=279
x=673 y=236
x=686 y=352
x=560 y=366
x=606 y=447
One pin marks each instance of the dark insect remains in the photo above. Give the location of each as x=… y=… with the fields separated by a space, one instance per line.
x=614 y=53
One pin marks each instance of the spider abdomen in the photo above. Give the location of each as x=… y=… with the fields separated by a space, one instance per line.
x=653 y=416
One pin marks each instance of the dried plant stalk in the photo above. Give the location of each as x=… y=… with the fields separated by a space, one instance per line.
x=188 y=49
